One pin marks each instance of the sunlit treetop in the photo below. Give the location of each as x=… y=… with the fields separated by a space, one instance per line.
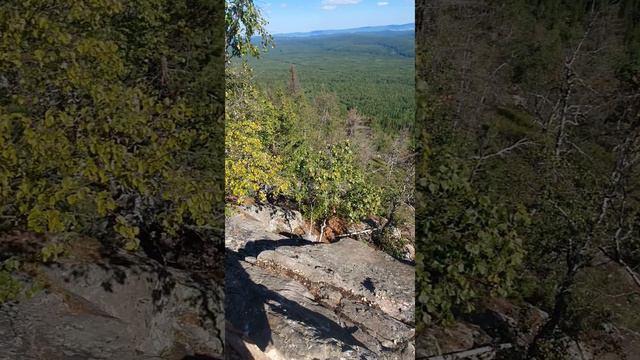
x=243 y=20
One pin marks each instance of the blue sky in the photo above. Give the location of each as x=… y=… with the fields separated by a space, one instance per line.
x=286 y=16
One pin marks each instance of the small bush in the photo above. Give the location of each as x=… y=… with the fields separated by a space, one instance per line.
x=12 y=288
x=466 y=246
x=328 y=183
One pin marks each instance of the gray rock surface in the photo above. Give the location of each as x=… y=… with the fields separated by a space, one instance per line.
x=457 y=337
x=125 y=307
x=304 y=300
x=274 y=219
x=498 y=329
x=352 y=270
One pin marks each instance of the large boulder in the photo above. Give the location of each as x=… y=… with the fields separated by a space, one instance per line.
x=454 y=338
x=120 y=307
x=274 y=219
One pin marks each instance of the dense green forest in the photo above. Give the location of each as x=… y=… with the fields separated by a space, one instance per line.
x=371 y=72
x=528 y=182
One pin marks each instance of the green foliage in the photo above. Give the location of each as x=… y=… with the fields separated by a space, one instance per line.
x=390 y=243
x=267 y=154
x=466 y=247
x=51 y=251
x=328 y=183
x=242 y=21
x=12 y=288
x=252 y=122
x=107 y=116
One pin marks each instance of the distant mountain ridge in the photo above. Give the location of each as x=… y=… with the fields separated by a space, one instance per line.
x=366 y=29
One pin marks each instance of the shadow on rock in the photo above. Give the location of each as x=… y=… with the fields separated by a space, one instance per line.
x=246 y=302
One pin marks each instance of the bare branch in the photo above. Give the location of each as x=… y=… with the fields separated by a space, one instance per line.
x=505 y=151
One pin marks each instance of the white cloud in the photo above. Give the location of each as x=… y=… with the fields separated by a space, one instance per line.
x=283 y=5
x=340 y=2
x=332 y=4
x=383 y=3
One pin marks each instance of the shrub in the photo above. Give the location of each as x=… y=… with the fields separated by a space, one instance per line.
x=328 y=183
x=107 y=117
x=252 y=169
x=466 y=246
x=14 y=288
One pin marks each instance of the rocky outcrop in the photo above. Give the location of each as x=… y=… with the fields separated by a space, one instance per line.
x=497 y=330
x=271 y=219
x=500 y=329
x=121 y=307
x=297 y=299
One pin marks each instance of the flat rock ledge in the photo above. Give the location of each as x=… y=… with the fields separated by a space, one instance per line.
x=297 y=299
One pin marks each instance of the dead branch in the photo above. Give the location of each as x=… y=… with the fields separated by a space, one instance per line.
x=505 y=151
x=366 y=231
x=324 y=225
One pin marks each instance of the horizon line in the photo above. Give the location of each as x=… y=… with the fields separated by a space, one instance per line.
x=333 y=29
